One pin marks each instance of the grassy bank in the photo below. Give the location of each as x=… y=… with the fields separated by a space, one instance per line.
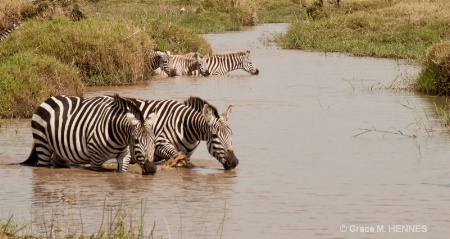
x=112 y=37
x=379 y=28
x=415 y=30
x=105 y=45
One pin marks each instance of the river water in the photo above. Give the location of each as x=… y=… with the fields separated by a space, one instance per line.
x=327 y=149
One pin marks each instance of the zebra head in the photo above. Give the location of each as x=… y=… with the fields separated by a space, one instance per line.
x=163 y=60
x=219 y=136
x=202 y=66
x=142 y=142
x=247 y=64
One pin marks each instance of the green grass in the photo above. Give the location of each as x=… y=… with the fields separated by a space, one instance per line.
x=27 y=79
x=379 y=28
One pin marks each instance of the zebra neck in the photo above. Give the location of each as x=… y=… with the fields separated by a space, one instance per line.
x=197 y=129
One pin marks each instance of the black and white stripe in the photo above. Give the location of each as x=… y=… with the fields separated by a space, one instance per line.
x=92 y=130
x=159 y=60
x=5 y=33
x=224 y=63
x=182 y=65
x=181 y=127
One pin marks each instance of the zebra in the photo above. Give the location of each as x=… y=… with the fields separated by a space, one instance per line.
x=191 y=64
x=159 y=59
x=185 y=65
x=5 y=33
x=181 y=127
x=220 y=64
x=80 y=130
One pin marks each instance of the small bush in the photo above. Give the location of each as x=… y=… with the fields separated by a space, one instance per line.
x=27 y=79
x=106 y=52
x=435 y=76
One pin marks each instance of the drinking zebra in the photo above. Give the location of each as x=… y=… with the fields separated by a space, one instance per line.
x=5 y=33
x=92 y=130
x=224 y=63
x=181 y=127
x=159 y=60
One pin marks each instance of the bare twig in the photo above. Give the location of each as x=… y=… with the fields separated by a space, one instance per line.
x=398 y=132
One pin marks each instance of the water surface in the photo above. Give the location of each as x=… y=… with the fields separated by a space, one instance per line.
x=305 y=168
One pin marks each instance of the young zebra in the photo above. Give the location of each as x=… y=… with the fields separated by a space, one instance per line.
x=159 y=60
x=5 y=33
x=181 y=127
x=224 y=63
x=92 y=130
x=182 y=65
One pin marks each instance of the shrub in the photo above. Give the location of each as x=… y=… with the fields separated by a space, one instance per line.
x=106 y=52
x=27 y=79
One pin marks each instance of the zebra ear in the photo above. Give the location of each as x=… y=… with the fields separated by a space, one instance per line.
x=151 y=119
x=132 y=119
x=227 y=114
x=207 y=113
x=205 y=57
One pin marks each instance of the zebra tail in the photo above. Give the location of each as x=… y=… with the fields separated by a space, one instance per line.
x=32 y=159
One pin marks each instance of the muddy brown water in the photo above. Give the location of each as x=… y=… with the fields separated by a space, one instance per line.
x=304 y=171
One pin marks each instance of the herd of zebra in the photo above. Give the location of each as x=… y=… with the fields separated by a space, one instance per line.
x=194 y=64
x=70 y=131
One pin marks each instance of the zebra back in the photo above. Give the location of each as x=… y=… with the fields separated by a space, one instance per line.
x=224 y=63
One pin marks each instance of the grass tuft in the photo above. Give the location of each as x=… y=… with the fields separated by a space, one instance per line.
x=435 y=75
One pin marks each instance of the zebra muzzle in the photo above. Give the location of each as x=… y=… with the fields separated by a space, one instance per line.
x=148 y=168
x=231 y=161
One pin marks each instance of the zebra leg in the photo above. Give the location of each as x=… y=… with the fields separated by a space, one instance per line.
x=44 y=155
x=58 y=162
x=96 y=162
x=123 y=160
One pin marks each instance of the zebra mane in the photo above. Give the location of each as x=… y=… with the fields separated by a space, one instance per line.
x=131 y=106
x=197 y=103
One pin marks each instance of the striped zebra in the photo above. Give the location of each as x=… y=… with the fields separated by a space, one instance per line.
x=224 y=63
x=5 y=33
x=80 y=130
x=181 y=127
x=159 y=60
x=182 y=65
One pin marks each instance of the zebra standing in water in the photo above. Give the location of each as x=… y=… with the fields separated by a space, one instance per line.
x=79 y=130
x=159 y=60
x=224 y=63
x=5 y=33
x=181 y=127
x=192 y=64
x=182 y=65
